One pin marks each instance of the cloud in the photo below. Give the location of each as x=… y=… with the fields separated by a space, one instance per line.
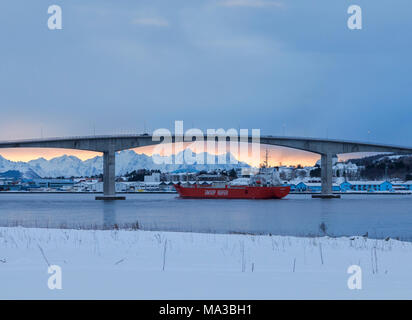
x=155 y=22
x=250 y=3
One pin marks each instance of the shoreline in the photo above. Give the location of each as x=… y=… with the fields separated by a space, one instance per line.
x=174 y=192
x=130 y=227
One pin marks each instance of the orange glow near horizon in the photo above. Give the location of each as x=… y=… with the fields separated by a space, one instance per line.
x=277 y=156
x=27 y=154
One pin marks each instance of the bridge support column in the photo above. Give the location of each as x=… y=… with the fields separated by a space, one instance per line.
x=326 y=173
x=109 y=173
x=109 y=178
x=326 y=178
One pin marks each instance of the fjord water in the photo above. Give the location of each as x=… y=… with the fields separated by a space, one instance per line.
x=297 y=215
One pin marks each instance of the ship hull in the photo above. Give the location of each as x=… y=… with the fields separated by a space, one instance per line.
x=243 y=192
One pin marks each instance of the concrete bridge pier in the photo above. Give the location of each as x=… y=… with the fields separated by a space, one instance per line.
x=109 y=177
x=326 y=178
x=326 y=173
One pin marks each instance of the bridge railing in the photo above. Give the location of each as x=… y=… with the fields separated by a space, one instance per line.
x=140 y=135
x=74 y=138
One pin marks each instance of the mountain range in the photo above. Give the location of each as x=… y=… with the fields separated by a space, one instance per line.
x=126 y=161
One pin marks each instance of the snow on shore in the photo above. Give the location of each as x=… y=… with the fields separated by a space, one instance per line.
x=169 y=265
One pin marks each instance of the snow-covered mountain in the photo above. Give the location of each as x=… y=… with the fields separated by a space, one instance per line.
x=15 y=174
x=126 y=161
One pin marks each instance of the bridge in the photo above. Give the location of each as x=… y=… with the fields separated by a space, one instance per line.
x=109 y=144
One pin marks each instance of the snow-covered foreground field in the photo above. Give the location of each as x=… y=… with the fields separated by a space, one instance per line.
x=166 y=265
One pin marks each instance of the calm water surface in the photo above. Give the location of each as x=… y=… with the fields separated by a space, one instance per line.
x=299 y=215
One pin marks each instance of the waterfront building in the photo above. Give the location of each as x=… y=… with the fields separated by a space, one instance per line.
x=369 y=186
x=314 y=187
x=58 y=184
x=154 y=177
x=402 y=185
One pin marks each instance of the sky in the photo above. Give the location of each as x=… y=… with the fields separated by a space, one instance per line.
x=287 y=67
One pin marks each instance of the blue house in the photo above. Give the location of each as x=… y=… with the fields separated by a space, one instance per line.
x=300 y=187
x=314 y=187
x=368 y=186
x=345 y=186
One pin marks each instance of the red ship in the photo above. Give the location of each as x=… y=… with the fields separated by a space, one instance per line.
x=232 y=192
x=261 y=186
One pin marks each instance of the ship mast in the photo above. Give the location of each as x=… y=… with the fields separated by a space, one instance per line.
x=265 y=163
